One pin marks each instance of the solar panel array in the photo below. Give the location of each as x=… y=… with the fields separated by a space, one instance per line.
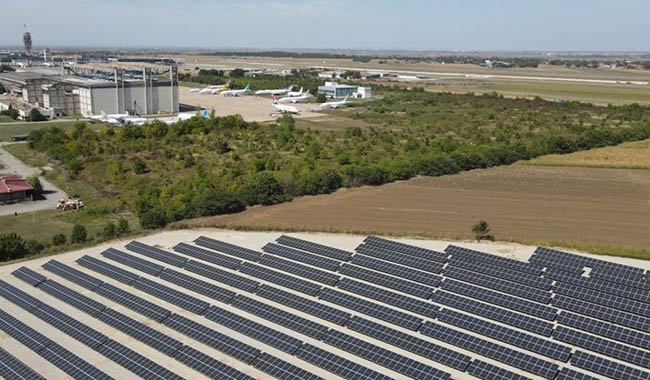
x=545 y=317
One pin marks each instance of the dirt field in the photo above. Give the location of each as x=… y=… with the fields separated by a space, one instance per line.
x=633 y=155
x=525 y=203
x=251 y=108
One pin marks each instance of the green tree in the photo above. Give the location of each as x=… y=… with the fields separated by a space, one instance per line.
x=59 y=239
x=139 y=166
x=2 y=88
x=12 y=246
x=35 y=182
x=34 y=247
x=153 y=218
x=75 y=166
x=79 y=234
x=122 y=227
x=264 y=189
x=481 y=231
x=110 y=230
x=11 y=112
x=237 y=73
x=321 y=98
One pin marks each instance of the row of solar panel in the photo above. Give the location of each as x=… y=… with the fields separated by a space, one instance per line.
x=479 y=288
x=351 y=285
x=569 y=259
x=188 y=327
x=419 y=322
x=633 y=293
x=12 y=368
x=280 y=317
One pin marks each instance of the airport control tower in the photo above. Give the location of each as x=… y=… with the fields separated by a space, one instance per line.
x=27 y=40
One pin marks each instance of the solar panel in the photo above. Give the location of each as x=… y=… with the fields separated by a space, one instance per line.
x=71 y=297
x=400 y=258
x=300 y=270
x=73 y=275
x=212 y=338
x=157 y=254
x=139 y=331
x=604 y=299
x=132 y=261
x=607 y=367
x=492 y=312
x=410 y=343
x=282 y=370
x=196 y=285
x=607 y=330
x=501 y=272
x=553 y=264
x=602 y=312
x=133 y=302
x=570 y=374
x=504 y=286
x=220 y=275
x=208 y=256
x=135 y=362
x=396 y=270
x=566 y=271
x=603 y=286
x=513 y=337
x=603 y=346
x=641 y=283
x=408 y=287
x=396 y=299
x=253 y=329
x=61 y=321
x=108 y=270
x=323 y=250
x=337 y=365
x=49 y=350
x=12 y=368
x=585 y=261
x=491 y=350
x=386 y=358
x=303 y=304
x=487 y=371
x=503 y=262
x=207 y=365
x=280 y=278
x=500 y=299
x=280 y=317
x=29 y=276
x=72 y=364
x=172 y=296
x=231 y=249
x=303 y=257
x=20 y=298
x=372 y=309
x=408 y=249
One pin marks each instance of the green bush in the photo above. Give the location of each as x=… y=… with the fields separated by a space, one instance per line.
x=110 y=230
x=122 y=227
x=79 y=234
x=139 y=166
x=59 y=239
x=12 y=247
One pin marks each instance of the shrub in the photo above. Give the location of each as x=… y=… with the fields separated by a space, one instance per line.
x=12 y=247
x=481 y=231
x=79 y=234
x=122 y=227
x=36 y=115
x=110 y=230
x=35 y=182
x=139 y=166
x=59 y=239
x=34 y=247
x=264 y=189
x=153 y=218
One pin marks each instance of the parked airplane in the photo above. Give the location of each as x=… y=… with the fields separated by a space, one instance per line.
x=245 y=91
x=281 y=91
x=195 y=90
x=295 y=93
x=117 y=119
x=285 y=109
x=212 y=89
x=188 y=115
x=296 y=99
x=342 y=103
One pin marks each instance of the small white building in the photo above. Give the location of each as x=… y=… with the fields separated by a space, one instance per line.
x=363 y=93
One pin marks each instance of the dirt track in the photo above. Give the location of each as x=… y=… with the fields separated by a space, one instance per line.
x=603 y=206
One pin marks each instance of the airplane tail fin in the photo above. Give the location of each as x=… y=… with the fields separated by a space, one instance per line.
x=301 y=90
x=248 y=87
x=205 y=113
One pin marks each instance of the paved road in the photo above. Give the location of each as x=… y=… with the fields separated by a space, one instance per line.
x=15 y=166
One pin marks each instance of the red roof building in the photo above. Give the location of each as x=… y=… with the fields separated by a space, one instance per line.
x=14 y=189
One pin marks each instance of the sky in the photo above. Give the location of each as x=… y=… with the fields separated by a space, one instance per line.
x=482 y=25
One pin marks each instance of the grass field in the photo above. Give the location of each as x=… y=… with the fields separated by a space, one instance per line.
x=22 y=128
x=632 y=155
x=587 y=93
